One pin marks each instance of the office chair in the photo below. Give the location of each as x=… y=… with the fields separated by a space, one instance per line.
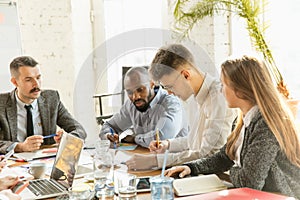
x=102 y=117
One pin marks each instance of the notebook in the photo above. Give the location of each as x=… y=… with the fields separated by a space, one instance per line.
x=238 y=194
x=65 y=163
x=197 y=185
x=38 y=154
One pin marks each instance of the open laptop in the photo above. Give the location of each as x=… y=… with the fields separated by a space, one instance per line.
x=63 y=170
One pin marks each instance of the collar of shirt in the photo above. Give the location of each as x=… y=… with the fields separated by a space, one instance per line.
x=249 y=115
x=204 y=90
x=159 y=93
x=21 y=104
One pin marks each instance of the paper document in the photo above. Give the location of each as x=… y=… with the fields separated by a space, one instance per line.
x=197 y=185
x=122 y=156
x=126 y=147
x=21 y=172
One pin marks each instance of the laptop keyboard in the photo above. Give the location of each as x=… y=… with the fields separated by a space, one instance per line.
x=45 y=187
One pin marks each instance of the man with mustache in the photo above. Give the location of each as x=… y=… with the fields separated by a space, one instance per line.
x=47 y=110
x=149 y=110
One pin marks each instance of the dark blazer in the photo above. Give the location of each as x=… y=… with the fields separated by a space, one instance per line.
x=264 y=166
x=52 y=113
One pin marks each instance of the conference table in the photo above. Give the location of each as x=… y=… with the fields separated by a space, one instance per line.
x=138 y=173
x=122 y=167
x=147 y=195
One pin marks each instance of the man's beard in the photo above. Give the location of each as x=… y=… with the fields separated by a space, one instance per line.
x=142 y=108
x=146 y=105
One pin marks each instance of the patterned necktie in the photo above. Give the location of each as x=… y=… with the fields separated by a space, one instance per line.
x=29 y=127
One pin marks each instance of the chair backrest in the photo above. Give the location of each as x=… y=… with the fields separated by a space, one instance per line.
x=124 y=71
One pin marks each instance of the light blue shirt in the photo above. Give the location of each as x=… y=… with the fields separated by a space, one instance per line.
x=165 y=113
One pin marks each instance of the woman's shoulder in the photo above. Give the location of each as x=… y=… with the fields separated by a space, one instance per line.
x=259 y=128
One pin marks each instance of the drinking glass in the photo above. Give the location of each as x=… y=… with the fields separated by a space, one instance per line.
x=162 y=188
x=126 y=186
x=104 y=174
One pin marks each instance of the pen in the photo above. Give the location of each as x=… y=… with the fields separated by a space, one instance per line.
x=112 y=134
x=17 y=159
x=157 y=138
x=50 y=136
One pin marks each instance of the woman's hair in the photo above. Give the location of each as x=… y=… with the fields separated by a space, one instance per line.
x=251 y=81
x=169 y=58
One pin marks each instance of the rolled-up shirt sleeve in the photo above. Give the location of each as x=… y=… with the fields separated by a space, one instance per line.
x=119 y=122
x=170 y=122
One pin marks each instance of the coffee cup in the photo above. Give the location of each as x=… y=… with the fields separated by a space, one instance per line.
x=37 y=170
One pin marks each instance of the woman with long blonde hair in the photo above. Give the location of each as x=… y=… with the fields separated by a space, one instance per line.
x=263 y=151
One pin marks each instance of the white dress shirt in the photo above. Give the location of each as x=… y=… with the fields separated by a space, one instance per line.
x=239 y=143
x=22 y=119
x=209 y=129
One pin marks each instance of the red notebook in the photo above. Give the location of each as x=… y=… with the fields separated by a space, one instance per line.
x=238 y=194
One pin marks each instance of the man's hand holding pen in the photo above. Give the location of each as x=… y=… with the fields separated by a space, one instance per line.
x=58 y=135
x=163 y=145
x=114 y=138
x=34 y=142
x=31 y=143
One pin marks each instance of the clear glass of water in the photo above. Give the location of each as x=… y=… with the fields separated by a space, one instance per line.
x=126 y=186
x=104 y=175
x=102 y=146
x=162 y=188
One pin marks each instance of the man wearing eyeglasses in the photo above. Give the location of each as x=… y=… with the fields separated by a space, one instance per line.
x=149 y=111
x=174 y=67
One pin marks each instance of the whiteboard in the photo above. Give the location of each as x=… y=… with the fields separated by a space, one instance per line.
x=10 y=42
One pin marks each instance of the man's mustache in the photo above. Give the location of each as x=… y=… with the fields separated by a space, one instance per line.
x=36 y=89
x=138 y=101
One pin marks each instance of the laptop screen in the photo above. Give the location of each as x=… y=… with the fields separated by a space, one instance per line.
x=66 y=161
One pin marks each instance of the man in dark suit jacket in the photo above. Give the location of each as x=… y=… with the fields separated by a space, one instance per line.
x=48 y=112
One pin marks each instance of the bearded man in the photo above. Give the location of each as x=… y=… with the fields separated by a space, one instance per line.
x=149 y=112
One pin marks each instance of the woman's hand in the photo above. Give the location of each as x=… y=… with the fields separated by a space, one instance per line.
x=181 y=170
x=7 y=181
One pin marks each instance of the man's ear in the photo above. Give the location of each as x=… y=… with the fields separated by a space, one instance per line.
x=152 y=84
x=14 y=81
x=186 y=74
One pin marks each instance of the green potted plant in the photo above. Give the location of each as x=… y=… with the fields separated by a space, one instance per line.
x=188 y=12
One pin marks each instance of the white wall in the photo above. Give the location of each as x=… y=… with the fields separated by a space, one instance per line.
x=58 y=35
x=68 y=39
x=211 y=41
x=10 y=40
x=46 y=31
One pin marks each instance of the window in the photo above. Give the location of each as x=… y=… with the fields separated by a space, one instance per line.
x=281 y=35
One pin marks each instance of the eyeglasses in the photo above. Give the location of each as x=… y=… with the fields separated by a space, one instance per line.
x=170 y=86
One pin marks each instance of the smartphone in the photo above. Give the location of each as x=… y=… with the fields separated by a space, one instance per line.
x=143 y=184
x=19 y=187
